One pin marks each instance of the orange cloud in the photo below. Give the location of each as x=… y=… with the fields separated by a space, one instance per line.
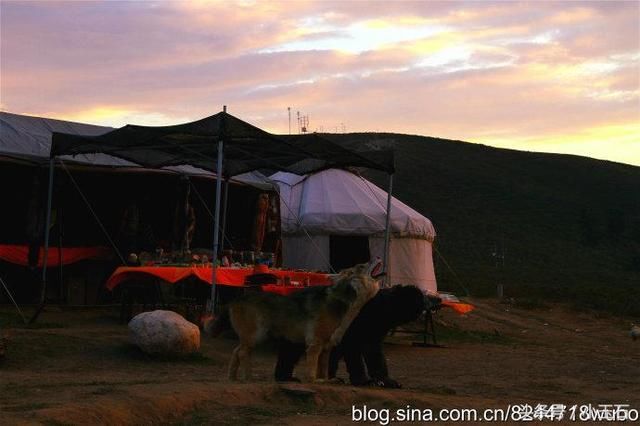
x=615 y=142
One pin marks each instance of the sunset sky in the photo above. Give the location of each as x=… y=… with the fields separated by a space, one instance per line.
x=539 y=76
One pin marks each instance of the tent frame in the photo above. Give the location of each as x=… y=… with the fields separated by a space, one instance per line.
x=211 y=303
x=387 y=234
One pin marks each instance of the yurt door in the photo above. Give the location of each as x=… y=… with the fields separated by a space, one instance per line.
x=347 y=250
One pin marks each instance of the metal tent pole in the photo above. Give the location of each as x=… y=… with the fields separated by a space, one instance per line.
x=387 y=232
x=216 y=223
x=216 y=218
x=224 y=215
x=43 y=287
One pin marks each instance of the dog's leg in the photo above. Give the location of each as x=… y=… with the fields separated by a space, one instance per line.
x=288 y=356
x=313 y=357
x=347 y=319
x=241 y=358
x=245 y=360
x=335 y=356
x=234 y=363
x=323 y=364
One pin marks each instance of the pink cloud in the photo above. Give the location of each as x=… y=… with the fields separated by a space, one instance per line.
x=465 y=70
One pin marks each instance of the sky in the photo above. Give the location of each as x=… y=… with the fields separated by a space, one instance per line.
x=538 y=76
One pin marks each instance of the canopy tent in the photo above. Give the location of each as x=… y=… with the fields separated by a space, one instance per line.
x=25 y=145
x=220 y=143
x=337 y=203
x=28 y=139
x=246 y=147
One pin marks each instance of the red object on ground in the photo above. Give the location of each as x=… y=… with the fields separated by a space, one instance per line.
x=234 y=277
x=19 y=254
x=459 y=307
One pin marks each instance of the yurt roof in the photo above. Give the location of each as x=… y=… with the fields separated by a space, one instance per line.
x=336 y=201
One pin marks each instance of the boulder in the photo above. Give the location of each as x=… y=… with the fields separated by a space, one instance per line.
x=164 y=333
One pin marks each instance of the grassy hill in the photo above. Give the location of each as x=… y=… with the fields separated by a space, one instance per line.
x=568 y=226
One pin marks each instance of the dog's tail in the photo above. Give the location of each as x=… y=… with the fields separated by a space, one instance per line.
x=214 y=326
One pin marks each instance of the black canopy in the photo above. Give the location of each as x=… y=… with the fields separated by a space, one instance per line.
x=323 y=154
x=246 y=147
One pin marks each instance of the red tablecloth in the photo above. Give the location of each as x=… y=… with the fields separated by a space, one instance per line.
x=224 y=275
x=459 y=307
x=235 y=277
x=19 y=254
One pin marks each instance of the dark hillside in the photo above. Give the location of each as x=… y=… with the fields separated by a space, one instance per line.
x=569 y=226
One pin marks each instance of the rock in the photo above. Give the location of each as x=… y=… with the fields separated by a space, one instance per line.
x=635 y=332
x=164 y=333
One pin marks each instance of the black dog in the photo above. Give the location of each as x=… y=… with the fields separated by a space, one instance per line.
x=362 y=343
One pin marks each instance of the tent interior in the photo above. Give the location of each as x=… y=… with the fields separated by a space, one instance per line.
x=110 y=193
x=108 y=186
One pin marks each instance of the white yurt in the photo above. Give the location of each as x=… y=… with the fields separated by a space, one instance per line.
x=335 y=219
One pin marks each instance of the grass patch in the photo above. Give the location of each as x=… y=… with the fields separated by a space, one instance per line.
x=413 y=333
x=216 y=414
x=41 y=347
x=43 y=326
x=104 y=390
x=530 y=303
x=439 y=390
x=14 y=320
x=49 y=422
x=97 y=383
x=197 y=417
x=455 y=334
x=132 y=352
x=443 y=390
x=252 y=412
x=32 y=406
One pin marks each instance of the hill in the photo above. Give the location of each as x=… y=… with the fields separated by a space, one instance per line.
x=568 y=226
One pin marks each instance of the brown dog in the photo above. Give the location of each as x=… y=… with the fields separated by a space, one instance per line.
x=316 y=316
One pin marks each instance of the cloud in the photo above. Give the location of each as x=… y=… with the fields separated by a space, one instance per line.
x=521 y=74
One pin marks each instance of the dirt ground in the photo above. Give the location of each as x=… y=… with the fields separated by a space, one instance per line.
x=76 y=367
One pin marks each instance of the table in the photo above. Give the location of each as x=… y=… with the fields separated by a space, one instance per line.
x=227 y=276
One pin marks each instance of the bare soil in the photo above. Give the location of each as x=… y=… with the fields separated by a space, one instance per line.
x=76 y=367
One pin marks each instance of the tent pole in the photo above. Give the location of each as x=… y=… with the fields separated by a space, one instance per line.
x=59 y=220
x=216 y=223
x=387 y=232
x=224 y=215
x=43 y=288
